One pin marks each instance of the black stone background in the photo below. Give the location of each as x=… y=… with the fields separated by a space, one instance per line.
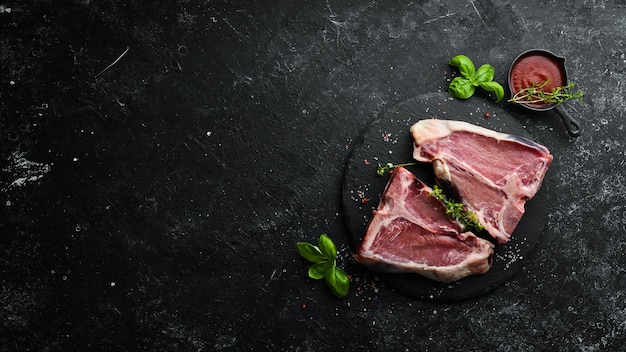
x=156 y=205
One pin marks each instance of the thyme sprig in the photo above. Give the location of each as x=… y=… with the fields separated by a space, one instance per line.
x=458 y=210
x=382 y=169
x=535 y=94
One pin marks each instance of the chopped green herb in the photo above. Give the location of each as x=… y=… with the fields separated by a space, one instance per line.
x=324 y=259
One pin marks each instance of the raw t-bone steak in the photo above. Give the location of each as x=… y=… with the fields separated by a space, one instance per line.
x=492 y=173
x=410 y=232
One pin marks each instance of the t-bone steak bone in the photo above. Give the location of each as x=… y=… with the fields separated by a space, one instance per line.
x=410 y=232
x=492 y=173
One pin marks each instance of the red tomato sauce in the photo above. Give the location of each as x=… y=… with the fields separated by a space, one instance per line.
x=537 y=69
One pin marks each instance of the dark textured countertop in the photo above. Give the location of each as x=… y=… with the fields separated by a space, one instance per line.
x=155 y=204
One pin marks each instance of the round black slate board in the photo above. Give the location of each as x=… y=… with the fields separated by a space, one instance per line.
x=388 y=140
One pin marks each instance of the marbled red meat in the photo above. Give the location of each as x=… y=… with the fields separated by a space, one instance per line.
x=410 y=232
x=492 y=173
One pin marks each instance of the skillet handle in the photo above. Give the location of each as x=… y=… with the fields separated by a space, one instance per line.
x=571 y=125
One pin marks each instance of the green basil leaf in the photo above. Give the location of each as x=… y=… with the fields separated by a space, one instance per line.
x=485 y=73
x=494 y=87
x=461 y=88
x=342 y=282
x=317 y=270
x=464 y=64
x=337 y=280
x=310 y=252
x=327 y=247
